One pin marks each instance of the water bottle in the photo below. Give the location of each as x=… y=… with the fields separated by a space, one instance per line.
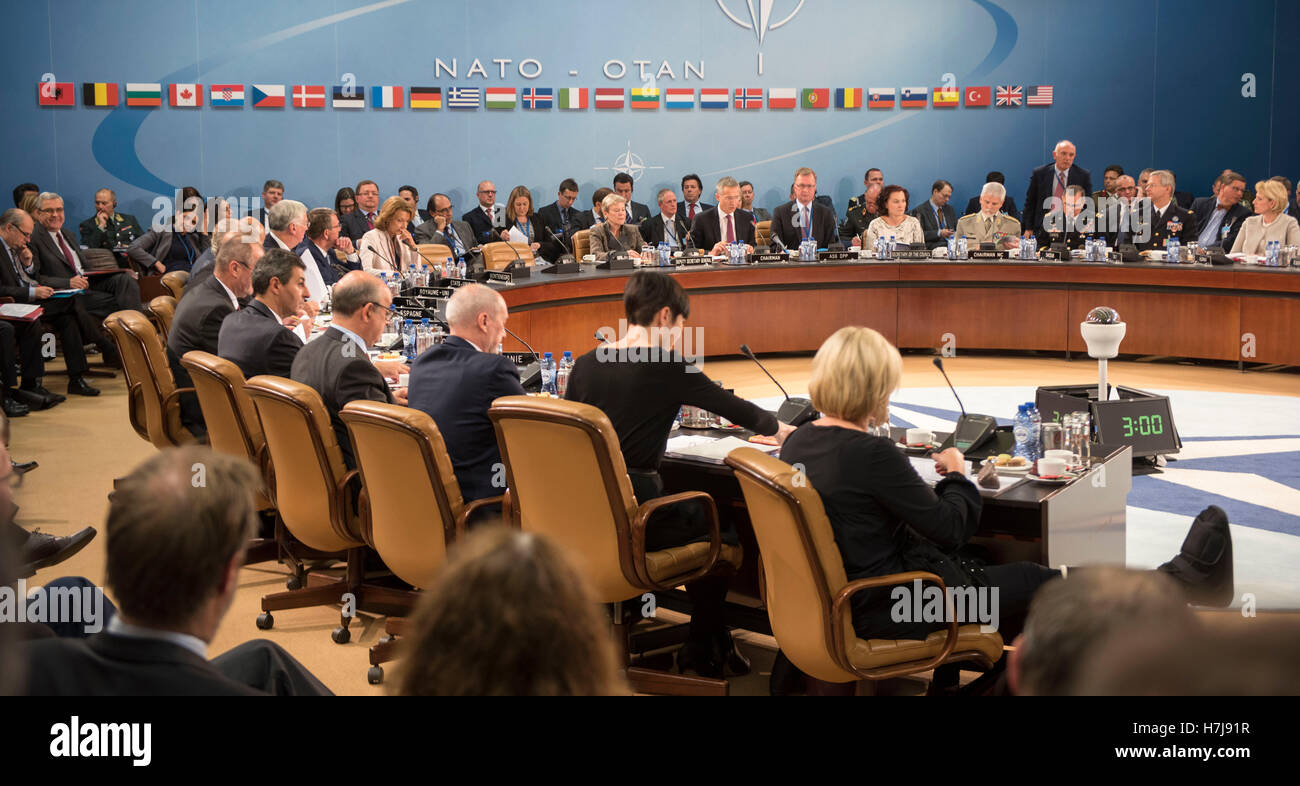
x=562 y=373
x=449 y=268
x=893 y=246
x=1171 y=250
x=882 y=248
x=548 y=374
x=461 y=269
x=665 y=252
x=1020 y=428
x=962 y=250
x=423 y=337
x=952 y=247
x=409 y=339
x=438 y=335
x=1035 y=430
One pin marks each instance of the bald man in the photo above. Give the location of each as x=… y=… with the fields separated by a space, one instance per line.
x=455 y=382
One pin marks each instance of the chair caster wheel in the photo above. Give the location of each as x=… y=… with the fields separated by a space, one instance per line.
x=294 y=583
x=341 y=635
x=265 y=620
x=375 y=675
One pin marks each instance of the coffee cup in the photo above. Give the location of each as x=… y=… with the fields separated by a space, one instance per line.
x=403 y=380
x=1063 y=455
x=920 y=436
x=1051 y=467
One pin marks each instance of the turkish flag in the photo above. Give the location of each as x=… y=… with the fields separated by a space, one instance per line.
x=977 y=96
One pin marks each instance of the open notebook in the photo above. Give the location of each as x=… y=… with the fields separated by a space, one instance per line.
x=713 y=450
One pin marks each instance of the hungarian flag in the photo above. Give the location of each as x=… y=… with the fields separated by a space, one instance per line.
x=848 y=98
x=180 y=94
x=1039 y=95
x=99 y=93
x=978 y=96
x=946 y=96
x=226 y=95
x=680 y=98
x=1009 y=95
x=499 y=97
x=538 y=98
x=143 y=94
x=714 y=97
x=268 y=96
x=780 y=98
x=816 y=98
x=749 y=98
x=56 y=93
x=880 y=98
x=609 y=98
x=348 y=97
x=309 y=96
x=426 y=98
x=914 y=97
x=573 y=97
x=645 y=98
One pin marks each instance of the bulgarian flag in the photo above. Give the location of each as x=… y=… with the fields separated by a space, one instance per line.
x=143 y=94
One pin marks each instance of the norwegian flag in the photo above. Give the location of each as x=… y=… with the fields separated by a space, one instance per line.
x=309 y=96
x=1009 y=95
x=749 y=98
x=1041 y=96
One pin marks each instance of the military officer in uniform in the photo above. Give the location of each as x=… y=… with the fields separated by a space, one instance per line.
x=862 y=211
x=990 y=225
x=1166 y=218
x=1069 y=225
x=872 y=182
x=108 y=228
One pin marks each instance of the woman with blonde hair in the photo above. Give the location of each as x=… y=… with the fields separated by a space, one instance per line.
x=614 y=232
x=509 y=616
x=389 y=246
x=521 y=223
x=1268 y=223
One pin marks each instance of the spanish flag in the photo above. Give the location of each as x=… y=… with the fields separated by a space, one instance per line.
x=946 y=96
x=99 y=94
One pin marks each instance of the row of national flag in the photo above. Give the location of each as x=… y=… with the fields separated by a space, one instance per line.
x=148 y=95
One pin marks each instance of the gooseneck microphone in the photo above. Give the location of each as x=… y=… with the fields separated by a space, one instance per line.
x=530 y=374
x=601 y=338
x=938 y=363
x=521 y=341
x=971 y=431
x=794 y=411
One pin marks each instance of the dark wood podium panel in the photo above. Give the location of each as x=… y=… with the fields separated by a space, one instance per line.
x=982 y=318
x=1273 y=326
x=1179 y=324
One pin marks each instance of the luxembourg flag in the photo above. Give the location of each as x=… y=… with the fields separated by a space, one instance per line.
x=227 y=95
x=679 y=98
x=386 y=97
x=268 y=96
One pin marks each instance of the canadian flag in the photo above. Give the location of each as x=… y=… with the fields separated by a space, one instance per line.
x=186 y=95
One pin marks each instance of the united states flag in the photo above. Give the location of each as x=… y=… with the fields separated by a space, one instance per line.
x=749 y=98
x=1009 y=95
x=1041 y=96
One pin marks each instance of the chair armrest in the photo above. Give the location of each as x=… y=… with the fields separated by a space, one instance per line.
x=471 y=507
x=510 y=512
x=348 y=511
x=173 y=396
x=841 y=647
x=642 y=518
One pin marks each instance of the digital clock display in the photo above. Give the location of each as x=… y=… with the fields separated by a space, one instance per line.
x=1145 y=423
x=1143 y=426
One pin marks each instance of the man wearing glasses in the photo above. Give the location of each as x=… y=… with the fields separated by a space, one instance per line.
x=362 y=220
x=460 y=238
x=483 y=218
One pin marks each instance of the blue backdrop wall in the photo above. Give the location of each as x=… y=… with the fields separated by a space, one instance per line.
x=1190 y=85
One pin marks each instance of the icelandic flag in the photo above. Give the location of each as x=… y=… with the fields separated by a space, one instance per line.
x=538 y=97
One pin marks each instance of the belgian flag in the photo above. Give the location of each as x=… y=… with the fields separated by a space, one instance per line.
x=99 y=93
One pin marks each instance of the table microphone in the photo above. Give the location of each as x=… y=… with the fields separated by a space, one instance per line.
x=601 y=338
x=795 y=411
x=971 y=431
x=531 y=374
x=568 y=255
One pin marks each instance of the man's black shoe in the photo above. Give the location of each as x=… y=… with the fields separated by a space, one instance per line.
x=1204 y=564
x=15 y=409
x=699 y=658
x=23 y=467
x=41 y=550
x=729 y=655
x=78 y=387
x=38 y=397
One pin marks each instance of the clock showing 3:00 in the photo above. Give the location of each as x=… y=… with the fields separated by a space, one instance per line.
x=1143 y=421
x=1143 y=425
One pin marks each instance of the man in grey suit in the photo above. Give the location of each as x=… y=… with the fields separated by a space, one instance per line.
x=335 y=363
x=636 y=212
x=261 y=338
x=461 y=237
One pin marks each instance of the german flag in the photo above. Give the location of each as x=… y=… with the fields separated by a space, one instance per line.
x=99 y=94
x=426 y=98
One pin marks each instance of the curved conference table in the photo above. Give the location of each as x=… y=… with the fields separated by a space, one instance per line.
x=1234 y=312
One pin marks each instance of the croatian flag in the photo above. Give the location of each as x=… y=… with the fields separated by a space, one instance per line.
x=227 y=95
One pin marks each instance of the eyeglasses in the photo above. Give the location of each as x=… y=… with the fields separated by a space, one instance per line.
x=488 y=191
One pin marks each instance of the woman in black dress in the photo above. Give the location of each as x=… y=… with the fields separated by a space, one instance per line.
x=641 y=381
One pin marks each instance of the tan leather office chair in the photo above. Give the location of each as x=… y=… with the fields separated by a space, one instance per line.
x=154 y=401
x=99 y=259
x=763 y=233
x=176 y=281
x=581 y=243
x=434 y=254
x=319 y=499
x=416 y=509
x=498 y=255
x=808 y=594
x=163 y=310
x=586 y=505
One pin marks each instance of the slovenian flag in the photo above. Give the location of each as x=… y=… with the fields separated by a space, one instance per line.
x=645 y=98
x=538 y=98
x=946 y=96
x=348 y=97
x=99 y=93
x=185 y=95
x=714 y=98
x=680 y=98
x=426 y=98
x=880 y=98
x=386 y=97
x=227 y=95
x=914 y=97
x=781 y=98
x=499 y=97
x=573 y=98
x=143 y=94
x=848 y=98
x=268 y=96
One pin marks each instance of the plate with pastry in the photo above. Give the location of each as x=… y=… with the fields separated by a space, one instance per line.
x=1008 y=464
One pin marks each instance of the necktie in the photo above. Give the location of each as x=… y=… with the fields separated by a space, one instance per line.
x=370 y=220
x=18 y=268
x=988 y=226
x=690 y=212
x=564 y=218
x=1059 y=190
x=67 y=253
x=731 y=231
x=943 y=224
x=807 y=230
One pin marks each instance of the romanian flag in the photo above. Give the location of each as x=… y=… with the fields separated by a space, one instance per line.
x=946 y=96
x=645 y=98
x=56 y=94
x=99 y=93
x=143 y=94
x=816 y=98
x=426 y=98
x=848 y=98
x=573 y=97
x=914 y=97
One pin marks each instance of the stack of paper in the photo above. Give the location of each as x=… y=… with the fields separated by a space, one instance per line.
x=708 y=448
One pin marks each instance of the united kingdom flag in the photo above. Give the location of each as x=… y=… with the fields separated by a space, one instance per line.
x=1009 y=95
x=749 y=98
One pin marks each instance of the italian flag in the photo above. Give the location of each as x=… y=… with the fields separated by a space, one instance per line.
x=573 y=98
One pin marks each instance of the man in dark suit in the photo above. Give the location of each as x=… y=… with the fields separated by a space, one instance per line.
x=411 y=196
x=562 y=218
x=323 y=246
x=335 y=363
x=1008 y=204
x=272 y=193
x=1165 y=218
x=483 y=219
x=174 y=550
x=938 y=219
x=18 y=281
x=713 y=229
x=362 y=220
x=1050 y=181
x=455 y=382
x=109 y=229
x=692 y=188
x=636 y=212
x=197 y=323
x=259 y=338
x=670 y=225
x=460 y=239
x=804 y=216
x=1219 y=217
